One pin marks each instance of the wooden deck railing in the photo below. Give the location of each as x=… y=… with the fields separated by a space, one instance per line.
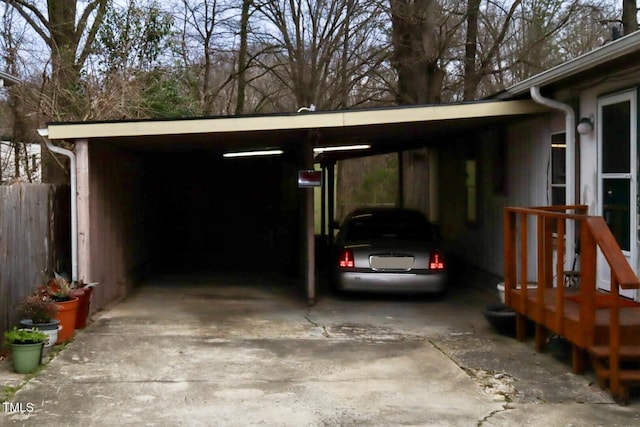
x=551 y=225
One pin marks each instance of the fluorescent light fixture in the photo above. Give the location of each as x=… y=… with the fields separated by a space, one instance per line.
x=254 y=153
x=341 y=148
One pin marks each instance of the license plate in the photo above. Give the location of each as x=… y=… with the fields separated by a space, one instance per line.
x=391 y=262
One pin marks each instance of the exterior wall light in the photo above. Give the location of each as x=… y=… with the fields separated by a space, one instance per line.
x=585 y=126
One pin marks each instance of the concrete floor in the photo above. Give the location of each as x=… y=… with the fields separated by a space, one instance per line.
x=243 y=350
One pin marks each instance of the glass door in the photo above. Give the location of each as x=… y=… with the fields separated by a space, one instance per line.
x=617 y=177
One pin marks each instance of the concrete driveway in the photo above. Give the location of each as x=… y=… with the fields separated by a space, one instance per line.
x=238 y=350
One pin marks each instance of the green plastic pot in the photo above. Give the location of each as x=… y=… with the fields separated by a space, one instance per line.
x=26 y=357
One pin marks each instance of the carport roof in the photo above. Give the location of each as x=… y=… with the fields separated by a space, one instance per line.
x=385 y=129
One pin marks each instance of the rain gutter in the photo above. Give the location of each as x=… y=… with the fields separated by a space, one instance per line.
x=570 y=165
x=44 y=133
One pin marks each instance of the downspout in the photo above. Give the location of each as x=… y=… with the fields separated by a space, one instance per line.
x=44 y=133
x=570 y=140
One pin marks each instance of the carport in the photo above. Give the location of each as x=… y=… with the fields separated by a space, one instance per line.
x=160 y=196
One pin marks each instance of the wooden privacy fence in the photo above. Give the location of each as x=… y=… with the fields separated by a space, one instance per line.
x=34 y=240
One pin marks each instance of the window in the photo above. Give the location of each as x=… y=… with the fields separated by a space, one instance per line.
x=616 y=166
x=558 y=169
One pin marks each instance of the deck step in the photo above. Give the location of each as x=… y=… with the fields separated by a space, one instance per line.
x=626 y=375
x=627 y=352
x=630 y=375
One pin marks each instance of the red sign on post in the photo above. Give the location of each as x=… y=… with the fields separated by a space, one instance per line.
x=309 y=178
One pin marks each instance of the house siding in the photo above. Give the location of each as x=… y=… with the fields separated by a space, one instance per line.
x=524 y=179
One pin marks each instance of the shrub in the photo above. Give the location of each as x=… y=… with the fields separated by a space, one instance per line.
x=24 y=336
x=40 y=308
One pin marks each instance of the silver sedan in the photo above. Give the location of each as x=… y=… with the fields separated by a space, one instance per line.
x=389 y=250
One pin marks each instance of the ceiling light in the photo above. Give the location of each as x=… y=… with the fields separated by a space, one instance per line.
x=253 y=153
x=341 y=148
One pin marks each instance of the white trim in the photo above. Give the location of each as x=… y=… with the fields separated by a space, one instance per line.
x=317 y=120
x=630 y=95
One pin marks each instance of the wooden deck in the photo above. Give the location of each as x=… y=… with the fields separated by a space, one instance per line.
x=603 y=328
x=565 y=320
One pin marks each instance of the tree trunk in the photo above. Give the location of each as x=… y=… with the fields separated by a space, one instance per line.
x=629 y=16
x=472 y=75
x=65 y=74
x=415 y=55
x=242 y=56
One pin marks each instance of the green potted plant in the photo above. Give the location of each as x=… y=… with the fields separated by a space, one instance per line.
x=26 y=348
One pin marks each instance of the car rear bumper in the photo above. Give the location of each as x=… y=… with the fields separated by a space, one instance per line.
x=392 y=282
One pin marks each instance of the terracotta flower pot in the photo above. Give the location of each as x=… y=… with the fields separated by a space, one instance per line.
x=67 y=313
x=84 y=303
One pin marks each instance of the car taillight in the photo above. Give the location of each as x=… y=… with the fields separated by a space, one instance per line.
x=436 y=261
x=346 y=259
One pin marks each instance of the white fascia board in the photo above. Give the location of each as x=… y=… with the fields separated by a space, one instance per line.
x=317 y=120
x=71 y=131
x=443 y=112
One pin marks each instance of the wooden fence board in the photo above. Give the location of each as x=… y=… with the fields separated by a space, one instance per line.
x=34 y=240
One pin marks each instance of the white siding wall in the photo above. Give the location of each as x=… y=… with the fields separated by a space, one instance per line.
x=589 y=144
x=528 y=150
x=528 y=174
x=589 y=153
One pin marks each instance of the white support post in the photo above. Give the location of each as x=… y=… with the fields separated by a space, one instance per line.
x=84 y=218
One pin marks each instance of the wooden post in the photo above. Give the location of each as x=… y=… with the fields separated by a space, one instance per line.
x=588 y=252
x=560 y=277
x=84 y=213
x=331 y=177
x=400 y=179
x=524 y=261
x=540 y=332
x=310 y=227
x=509 y=254
x=614 y=337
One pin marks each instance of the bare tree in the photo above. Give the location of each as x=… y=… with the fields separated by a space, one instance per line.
x=69 y=35
x=208 y=34
x=422 y=33
x=320 y=51
x=16 y=160
x=475 y=69
x=446 y=51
